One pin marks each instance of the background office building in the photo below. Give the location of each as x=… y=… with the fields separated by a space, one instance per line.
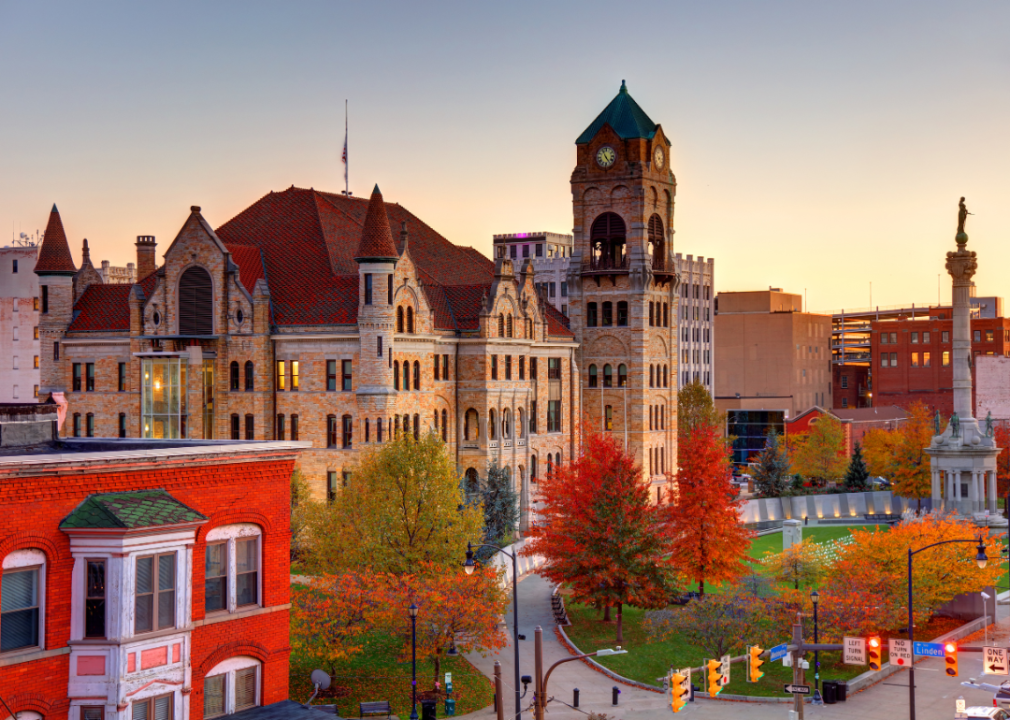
x=550 y=253
x=19 y=320
x=697 y=320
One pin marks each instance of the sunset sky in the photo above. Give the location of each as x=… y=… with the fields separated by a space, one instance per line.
x=817 y=146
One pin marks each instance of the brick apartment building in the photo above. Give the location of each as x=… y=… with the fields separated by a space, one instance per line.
x=141 y=579
x=307 y=317
x=912 y=358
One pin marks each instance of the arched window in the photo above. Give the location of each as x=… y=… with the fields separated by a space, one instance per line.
x=550 y=465
x=399 y=319
x=591 y=314
x=417 y=375
x=445 y=427
x=506 y=425
x=331 y=431
x=608 y=376
x=666 y=376
x=249 y=375
x=396 y=374
x=347 y=431
x=651 y=416
x=557 y=460
x=23 y=616
x=471 y=486
x=233 y=375
x=608 y=314
x=231 y=686
x=235 y=427
x=417 y=426
x=592 y=376
x=533 y=468
x=501 y=325
x=652 y=376
x=622 y=313
x=657 y=243
x=378 y=430
x=410 y=320
x=196 y=302
x=490 y=424
x=366 y=430
x=607 y=237
x=622 y=375
x=520 y=419
x=509 y=325
x=471 y=425
x=406 y=375
x=250 y=427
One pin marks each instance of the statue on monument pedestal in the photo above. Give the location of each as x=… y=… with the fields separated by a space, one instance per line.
x=962 y=215
x=955 y=424
x=989 y=429
x=936 y=423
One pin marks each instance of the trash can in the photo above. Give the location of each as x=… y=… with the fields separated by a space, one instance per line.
x=843 y=690
x=829 y=692
x=428 y=709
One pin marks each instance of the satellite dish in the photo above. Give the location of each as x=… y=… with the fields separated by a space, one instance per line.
x=321 y=679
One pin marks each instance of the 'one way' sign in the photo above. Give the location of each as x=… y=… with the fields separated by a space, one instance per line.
x=994 y=661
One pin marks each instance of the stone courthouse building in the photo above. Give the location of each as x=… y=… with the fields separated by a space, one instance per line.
x=343 y=321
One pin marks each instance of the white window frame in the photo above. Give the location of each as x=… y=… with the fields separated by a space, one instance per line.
x=228 y=668
x=231 y=534
x=25 y=560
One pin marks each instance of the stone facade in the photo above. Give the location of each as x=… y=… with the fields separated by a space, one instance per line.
x=697 y=321
x=272 y=327
x=550 y=254
x=113 y=274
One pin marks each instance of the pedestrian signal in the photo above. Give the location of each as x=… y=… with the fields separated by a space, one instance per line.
x=714 y=677
x=680 y=689
x=754 y=662
x=950 y=658
x=873 y=651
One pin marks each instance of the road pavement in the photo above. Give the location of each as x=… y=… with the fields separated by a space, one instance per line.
x=887 y=700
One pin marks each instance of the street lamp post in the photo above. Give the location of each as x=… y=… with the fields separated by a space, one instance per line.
x=815 y=597
x=413 y=660
x=469 y=566
x=980 y=558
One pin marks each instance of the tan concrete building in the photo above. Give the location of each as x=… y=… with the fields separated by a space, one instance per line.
x=19 y=320
x=770 y=355
x=342 y=321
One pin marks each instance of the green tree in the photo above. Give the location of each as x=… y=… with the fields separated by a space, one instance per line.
x=501 y=506
x=818 y=454
x=771 y=477
x=300 y=509
x=696 y=408
x=403 y=506
x=857 y=477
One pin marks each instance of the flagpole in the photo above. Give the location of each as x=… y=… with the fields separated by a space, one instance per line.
x=347 y=185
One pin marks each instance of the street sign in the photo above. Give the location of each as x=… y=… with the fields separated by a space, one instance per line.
x=854 y=651
x=797 y=689
x=900 y=652
x=725 y=669
x=778 y=652
x=927 y=649
x=994 y=661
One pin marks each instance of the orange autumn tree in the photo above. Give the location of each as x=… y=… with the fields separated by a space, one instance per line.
x=900 y=455
x=708 y=541
x=873 y=569
x=598 y=532
x=453 y=610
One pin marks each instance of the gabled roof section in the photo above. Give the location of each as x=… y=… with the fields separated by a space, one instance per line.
x=54 y=255
x=103 y=308
x=625 y=116
x=130 y=510
x=376 y=237
x=250 y=264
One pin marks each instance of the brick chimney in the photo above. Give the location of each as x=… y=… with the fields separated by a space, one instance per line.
x=145 y=256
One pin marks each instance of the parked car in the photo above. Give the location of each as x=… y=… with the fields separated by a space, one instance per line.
x=988 y=713
x=1001 y=692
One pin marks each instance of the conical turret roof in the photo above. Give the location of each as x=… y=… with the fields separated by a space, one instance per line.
x=376 y=237
x=54 y=255
x=625 y=116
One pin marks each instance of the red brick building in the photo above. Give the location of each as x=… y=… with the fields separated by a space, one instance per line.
x=855 y=422
x=141 y=579
x=912 y=358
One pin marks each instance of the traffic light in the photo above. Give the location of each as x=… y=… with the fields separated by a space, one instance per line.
x=680 y=689
x=950 y=658
x=714 y=677
x=873 y=650
x=754 y=662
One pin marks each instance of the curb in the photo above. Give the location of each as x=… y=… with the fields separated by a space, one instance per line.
x=599 y=668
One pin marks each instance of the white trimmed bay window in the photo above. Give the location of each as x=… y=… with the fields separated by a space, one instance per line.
x=232 y=570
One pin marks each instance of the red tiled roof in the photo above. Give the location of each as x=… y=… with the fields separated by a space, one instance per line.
x=102 y=308
x=376 y=237
x=250 y=264
x=465 y=303
x=557 y=324
x=54 y=255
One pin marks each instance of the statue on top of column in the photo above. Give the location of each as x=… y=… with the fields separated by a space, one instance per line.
x=962 y=215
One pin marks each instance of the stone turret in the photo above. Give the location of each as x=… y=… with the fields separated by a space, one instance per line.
x=56 y=270
x=87 y=275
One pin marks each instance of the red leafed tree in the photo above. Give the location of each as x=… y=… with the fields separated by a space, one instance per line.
x=598 y=532
x=709 y=543
x=1002 y=435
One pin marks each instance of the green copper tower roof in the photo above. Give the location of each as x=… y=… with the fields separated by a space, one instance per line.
x=625 y=116
x=130 y=510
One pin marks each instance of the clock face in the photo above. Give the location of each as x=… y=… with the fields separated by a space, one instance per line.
x=660 y=157
x=606 y=156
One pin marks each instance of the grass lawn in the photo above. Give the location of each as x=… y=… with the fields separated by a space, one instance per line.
x=649 y=661
x=379 y=674
x=819 y=534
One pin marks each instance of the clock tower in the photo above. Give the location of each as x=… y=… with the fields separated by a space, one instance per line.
x=622 y=285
